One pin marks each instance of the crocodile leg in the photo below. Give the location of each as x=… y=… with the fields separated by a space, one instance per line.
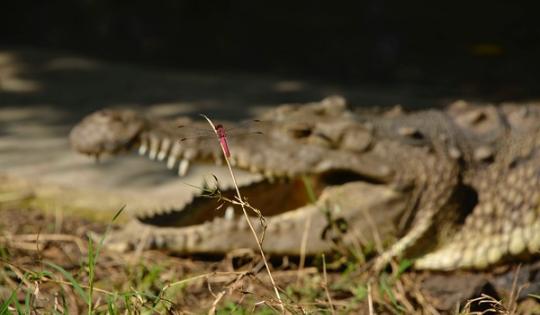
x=437 y=190
x=506 y=221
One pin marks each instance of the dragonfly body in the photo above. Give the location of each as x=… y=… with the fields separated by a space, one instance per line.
x=223 y=140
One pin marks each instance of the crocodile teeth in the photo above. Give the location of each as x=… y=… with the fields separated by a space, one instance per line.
x=173 y=156
x=165 y=146
x=171 y=161
x=154 y=146
x=229 y=213
x=183 y=167
x=143 y=147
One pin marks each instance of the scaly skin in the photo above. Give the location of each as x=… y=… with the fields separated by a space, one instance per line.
x=506 y=221
x=414 y=175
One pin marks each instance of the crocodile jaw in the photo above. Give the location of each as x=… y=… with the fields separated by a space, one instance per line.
x=365 y=207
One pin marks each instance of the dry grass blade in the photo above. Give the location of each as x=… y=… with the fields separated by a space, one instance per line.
x=225 y=291
x=494 y=306
x=246 y=216
x=401 y=295
x=216 y=301
x=303 y=245
x=325 y=286
x=201 y=276
x=370 y=299
x=514 y=293
x=29 y=241
x=16 y=270
x=415 y=291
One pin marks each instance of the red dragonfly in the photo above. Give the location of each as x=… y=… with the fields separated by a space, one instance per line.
x=220 y=130
x=221 y=133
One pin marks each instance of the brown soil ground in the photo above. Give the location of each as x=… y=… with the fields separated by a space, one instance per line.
x=159 y=282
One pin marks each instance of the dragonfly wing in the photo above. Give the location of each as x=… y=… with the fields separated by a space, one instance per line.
x=247 y=128
x=198 y=135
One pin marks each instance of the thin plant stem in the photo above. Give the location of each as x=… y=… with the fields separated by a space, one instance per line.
x=303 y=246
x=246 y=216
x=325 y=285
x=307 y=226
x=370 y=299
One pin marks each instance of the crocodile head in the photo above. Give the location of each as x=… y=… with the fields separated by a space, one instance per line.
x=355 y=175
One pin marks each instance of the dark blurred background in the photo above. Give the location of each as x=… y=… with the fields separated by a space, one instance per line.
x=230 y=59
x=481 y=49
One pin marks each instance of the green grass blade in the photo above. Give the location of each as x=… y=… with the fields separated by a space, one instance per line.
x=404 y=265
x=91 y=268
x=309 y=189
x=18 y=307
x=117 y=214
x=4 y=308
x=102 y=239
x=27 y=299
x=93 y=254
x=111 y=308
x=70 y=278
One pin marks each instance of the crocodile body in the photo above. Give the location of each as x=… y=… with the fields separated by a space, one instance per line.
x=458 y=188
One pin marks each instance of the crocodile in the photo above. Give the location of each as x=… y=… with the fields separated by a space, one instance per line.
x=454 y=188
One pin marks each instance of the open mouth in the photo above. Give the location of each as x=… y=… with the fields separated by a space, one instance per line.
x=270 y=196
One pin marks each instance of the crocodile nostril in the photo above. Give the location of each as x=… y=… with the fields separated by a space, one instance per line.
x=299 y=133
